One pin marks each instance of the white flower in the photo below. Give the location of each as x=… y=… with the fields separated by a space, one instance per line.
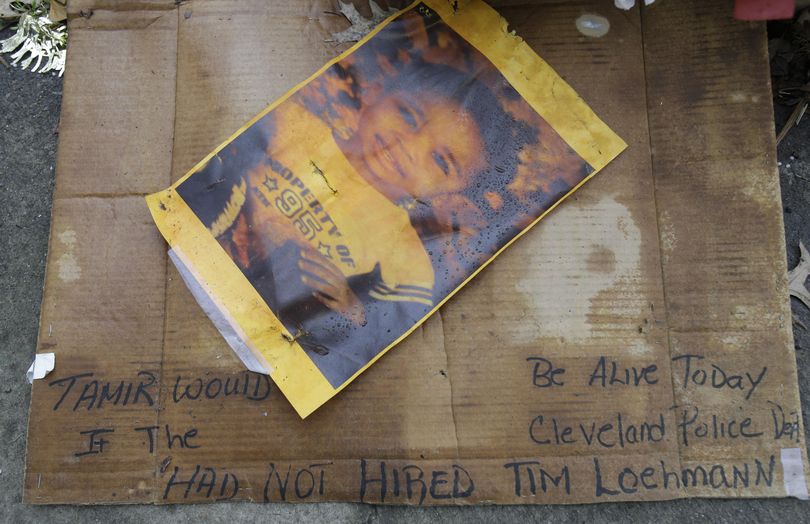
x=38 y=42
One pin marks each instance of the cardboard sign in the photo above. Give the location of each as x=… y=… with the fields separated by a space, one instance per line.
x=634 y=345
x=350 y=210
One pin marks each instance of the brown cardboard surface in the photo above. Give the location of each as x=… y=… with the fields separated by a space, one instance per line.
x=672 y=256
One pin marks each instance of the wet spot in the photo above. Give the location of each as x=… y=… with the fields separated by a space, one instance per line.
x=67 y=237
x=668 y=237
x=69 y=270
x=601 y=260
x=67 y=264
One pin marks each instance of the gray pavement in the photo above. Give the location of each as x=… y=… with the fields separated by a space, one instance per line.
x=29 y=109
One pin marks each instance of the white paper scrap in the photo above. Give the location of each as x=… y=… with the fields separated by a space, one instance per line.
x=629 y=4
x=42 y=365
x=229 y=330
x=793 y=473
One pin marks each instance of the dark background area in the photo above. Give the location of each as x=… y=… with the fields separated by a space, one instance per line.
x=29 y=114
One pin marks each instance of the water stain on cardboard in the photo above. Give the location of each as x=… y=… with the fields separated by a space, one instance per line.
x=581 y=269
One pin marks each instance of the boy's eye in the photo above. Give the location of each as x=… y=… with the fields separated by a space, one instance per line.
x=408 y=116
x=441 y=162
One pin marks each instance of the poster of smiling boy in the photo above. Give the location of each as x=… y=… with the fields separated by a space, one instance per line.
x=340 y=218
